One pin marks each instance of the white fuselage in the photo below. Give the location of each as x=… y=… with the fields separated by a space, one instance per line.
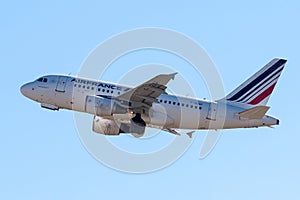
x=169 y=111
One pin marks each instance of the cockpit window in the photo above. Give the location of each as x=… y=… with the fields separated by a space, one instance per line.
x=45 y=80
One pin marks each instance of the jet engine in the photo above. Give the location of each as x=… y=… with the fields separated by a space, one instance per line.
x=111 y=127
x=105 y=126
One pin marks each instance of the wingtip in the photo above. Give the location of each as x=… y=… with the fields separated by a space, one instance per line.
x=173 y=75
x=190 y=134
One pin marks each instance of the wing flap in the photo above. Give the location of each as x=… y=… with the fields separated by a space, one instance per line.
x=254 y=113
x=144 y=95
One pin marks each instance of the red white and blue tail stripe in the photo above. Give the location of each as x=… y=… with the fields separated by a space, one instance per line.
x=258 y=88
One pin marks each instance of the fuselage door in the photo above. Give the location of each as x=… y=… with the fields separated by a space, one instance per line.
x=212 y=111
x=61 y=84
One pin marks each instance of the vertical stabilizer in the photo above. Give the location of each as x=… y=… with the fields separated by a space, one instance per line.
x=258 y=88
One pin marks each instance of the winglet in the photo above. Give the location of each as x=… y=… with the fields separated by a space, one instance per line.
x=173 y=75
x=190 y=134
x=162 y=79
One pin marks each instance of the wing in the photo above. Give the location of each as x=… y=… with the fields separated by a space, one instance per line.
x=141 y=98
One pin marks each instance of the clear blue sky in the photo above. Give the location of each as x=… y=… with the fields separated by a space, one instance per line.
x=41 y=154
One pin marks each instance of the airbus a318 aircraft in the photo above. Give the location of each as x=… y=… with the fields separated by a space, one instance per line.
x=122 y=109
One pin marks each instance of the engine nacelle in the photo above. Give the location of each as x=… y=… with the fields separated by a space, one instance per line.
x=110 y=127
x=105 y=126
x=102 y=106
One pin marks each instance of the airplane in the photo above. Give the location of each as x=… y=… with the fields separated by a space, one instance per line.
x=120 y=109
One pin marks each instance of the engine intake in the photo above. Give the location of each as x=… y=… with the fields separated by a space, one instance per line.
x=105 y=126
x=111 y=127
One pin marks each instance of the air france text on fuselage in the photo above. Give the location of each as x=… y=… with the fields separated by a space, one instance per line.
x=98 y=84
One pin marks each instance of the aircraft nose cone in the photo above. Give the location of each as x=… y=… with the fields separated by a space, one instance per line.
x=25 y=89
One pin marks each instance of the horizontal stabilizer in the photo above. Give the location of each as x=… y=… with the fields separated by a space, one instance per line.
x=254 y=113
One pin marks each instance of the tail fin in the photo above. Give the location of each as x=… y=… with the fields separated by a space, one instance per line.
x=258 y=88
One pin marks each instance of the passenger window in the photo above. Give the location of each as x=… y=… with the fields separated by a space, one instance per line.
x=79 y=86
x=178 y=104
x=88 y=87
x=196 y=107
x=103 y=90
x=99 y=89
x=83 y=86
x=92 y=88
x=200 y=108
x=182 y=104
x=187 y=105
x=165 y=101
x=174 y=103
x=169 y=102
x=45 y=80
x=191 y=106
x=75 y=85
x=107 y=91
